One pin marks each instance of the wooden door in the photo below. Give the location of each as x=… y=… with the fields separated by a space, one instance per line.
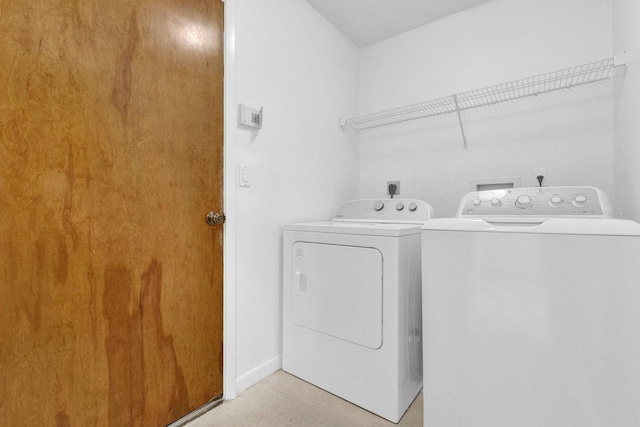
x=110 y=158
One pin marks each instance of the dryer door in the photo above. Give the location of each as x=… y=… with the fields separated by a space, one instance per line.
x=337 y=290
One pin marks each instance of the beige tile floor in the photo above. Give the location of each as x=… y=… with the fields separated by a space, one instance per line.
x=284 y=400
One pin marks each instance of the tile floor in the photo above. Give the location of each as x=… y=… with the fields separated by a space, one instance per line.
x=284 y=400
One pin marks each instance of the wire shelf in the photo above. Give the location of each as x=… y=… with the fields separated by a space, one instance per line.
x=530 y=86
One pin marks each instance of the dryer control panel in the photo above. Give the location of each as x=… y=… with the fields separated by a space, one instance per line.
x=537 y=201
x=385 y=211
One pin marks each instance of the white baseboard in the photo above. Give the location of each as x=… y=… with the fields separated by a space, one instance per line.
x=257 y=374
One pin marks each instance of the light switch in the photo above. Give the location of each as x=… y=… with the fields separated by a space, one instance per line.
x=244 y=176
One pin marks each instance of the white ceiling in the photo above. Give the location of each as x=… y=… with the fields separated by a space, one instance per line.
x=366 y=22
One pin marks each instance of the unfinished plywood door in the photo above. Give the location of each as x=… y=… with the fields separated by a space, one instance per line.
x=110 y=159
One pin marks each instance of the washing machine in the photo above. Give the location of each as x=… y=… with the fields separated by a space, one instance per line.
x=531 y=312
x=352 y=306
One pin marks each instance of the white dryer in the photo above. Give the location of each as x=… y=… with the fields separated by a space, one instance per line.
x=532 y=312
x=352 y=305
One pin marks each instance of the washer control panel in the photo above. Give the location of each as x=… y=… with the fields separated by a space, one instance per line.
x=385 y=210
x=536 y=201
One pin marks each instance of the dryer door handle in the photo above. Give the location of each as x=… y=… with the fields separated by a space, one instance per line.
x=299 y=283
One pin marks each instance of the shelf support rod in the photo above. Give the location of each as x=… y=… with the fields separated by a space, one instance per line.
x=464 y=138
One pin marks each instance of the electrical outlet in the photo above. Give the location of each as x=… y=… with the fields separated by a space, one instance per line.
x=397 y=184
x=541 y=172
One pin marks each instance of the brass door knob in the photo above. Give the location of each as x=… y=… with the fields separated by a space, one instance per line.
x=215 y=218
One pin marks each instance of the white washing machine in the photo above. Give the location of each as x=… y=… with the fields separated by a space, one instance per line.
x=531 y=312
x=352 y=306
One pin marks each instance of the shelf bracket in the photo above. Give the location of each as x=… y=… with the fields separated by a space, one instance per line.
x=464 y=138
x=621 y=60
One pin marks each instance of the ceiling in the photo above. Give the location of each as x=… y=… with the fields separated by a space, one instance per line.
x=367 y=22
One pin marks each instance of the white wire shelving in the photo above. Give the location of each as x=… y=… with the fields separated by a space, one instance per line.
x=530 y=86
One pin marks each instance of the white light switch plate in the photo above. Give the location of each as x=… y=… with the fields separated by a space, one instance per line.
x=244 y=176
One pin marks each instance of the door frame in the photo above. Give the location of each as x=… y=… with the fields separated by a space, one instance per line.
x=230 y=166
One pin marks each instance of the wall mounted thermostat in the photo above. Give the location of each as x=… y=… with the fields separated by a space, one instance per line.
x=248 y=116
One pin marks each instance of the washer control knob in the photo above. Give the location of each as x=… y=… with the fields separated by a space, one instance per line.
x=400 y=206
x=477 y=202
x=524 y=202
x=580 y=200
x=378 y=206
x=496 y=203
x=413 y=206
x=556 y=201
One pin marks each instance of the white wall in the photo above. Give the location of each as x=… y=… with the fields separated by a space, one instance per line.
x=291 y=61
x=570 y=133
x=286 y=58
x=626 y=36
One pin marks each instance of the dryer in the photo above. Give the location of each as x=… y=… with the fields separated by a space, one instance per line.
x=352 y=305
x=531 y=305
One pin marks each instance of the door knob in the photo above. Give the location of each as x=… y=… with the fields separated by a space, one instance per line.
x=215 y=218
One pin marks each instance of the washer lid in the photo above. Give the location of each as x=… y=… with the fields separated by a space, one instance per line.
x=542 y=225
x=356 y=228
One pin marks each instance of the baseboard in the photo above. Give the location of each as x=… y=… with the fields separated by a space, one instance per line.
x=257 y=374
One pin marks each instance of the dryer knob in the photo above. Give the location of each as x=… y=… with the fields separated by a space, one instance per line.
x=378 y=206
x=413 y=206
x=400 y=206
x=580 y=200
